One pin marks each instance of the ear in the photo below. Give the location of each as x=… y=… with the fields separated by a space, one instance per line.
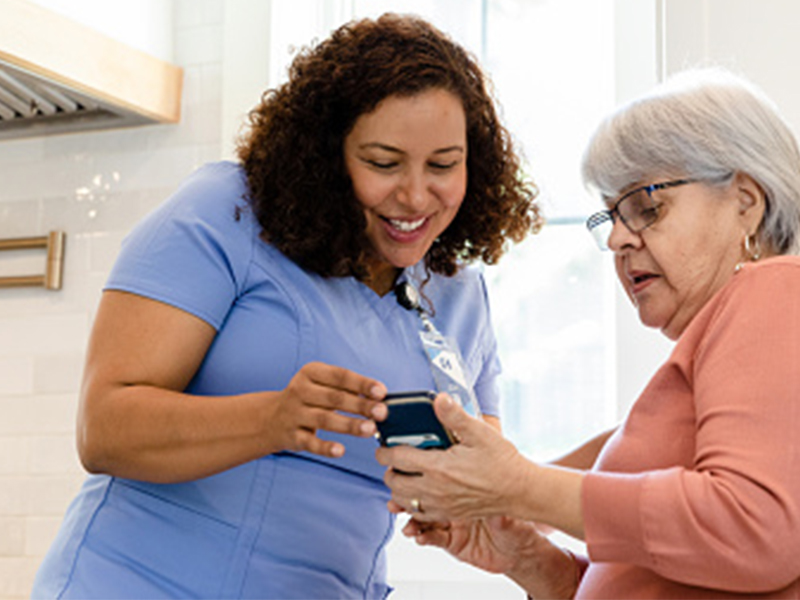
x=752 y=201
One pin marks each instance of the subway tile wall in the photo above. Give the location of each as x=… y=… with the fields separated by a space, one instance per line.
x=95 y=187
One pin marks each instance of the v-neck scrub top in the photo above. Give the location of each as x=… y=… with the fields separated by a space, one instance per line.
x=288 y=525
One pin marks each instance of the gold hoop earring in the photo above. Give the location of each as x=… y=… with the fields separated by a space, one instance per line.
x=752 y=251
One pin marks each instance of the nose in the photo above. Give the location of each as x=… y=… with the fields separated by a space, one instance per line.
x=413 y=190
x=621 y=237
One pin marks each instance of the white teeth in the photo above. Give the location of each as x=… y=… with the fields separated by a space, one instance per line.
x=406 y=226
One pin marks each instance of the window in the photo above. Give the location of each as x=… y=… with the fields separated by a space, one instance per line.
x=552 y=296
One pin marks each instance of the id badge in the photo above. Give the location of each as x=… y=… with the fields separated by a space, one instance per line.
x=449 y=370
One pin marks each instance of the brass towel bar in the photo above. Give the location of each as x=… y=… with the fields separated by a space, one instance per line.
x=54 y=269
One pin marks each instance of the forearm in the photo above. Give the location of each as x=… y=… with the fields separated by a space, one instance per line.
x=148 y=433
x=552 y=573
x=494 y=422
x=585 y=455
x=547 y=494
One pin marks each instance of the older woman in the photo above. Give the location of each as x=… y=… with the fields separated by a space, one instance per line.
x=697 y=493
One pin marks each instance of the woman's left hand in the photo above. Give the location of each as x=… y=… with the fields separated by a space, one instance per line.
x=478 y=477
x=495 y=544
x=515 y=548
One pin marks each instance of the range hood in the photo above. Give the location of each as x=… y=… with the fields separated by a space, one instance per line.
x=59 y=76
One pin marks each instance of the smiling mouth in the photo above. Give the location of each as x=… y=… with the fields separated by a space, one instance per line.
x=406 y=226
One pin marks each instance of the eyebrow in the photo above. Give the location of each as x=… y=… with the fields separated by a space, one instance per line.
x=389 y=148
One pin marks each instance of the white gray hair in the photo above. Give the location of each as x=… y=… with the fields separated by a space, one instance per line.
x=703 y=124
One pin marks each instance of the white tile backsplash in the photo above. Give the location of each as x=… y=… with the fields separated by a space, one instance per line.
x=94 y=186
x=18 y=218
x=12 y=536
x=24 y=151
x=54 y=455
x=16 y=576
x=38 y=415
x=13 y=455
x=57 y=373
x=40 y=333
x=16 y=375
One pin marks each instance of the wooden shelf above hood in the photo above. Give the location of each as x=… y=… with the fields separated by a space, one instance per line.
x=63 y=76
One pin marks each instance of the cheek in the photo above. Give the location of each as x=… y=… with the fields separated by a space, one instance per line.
x=679 y=261
x=453 y=191
x=620 y=269
x=369 y=191
x=453 y=202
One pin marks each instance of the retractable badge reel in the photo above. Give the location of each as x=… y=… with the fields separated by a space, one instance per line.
x=447 y=364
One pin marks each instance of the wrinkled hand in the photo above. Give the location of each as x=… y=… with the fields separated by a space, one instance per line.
x=511 y=547
x=312 y=401
x=474 y=478
x=494 y=544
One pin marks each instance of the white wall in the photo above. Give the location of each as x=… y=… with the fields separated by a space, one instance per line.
x=143 y=24
x=757 y=38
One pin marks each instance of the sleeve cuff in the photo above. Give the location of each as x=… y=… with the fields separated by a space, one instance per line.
x=611 y=512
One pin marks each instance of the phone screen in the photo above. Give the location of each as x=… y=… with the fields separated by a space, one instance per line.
x=413 y=422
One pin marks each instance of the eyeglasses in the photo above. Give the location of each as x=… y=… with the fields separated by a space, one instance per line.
x=638 y=209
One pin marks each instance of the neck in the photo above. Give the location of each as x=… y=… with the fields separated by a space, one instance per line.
x=381 y=281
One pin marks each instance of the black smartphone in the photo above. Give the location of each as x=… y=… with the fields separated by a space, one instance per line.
x=413 y=422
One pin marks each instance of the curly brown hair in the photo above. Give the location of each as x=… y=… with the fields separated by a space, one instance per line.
x=293 y=151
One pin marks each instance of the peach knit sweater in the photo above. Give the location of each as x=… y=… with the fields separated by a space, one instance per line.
x=697 y=495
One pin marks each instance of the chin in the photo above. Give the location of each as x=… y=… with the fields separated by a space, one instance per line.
x=403 y=262
x=651 y=321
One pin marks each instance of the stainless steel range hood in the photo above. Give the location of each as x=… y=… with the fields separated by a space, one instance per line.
x=59 y=76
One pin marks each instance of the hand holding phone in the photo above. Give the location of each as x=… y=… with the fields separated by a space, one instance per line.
x=413 y=422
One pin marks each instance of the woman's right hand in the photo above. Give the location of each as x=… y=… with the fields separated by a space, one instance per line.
x=313 y=400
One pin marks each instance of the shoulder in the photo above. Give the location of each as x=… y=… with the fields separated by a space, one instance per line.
x=761 y=299
x=465 y=287
x=213 y=189
x=218 y=176
x=211 y=202
x=470 y=275
x=752 y=320
x=770 y=282
x=460 y=301
x=770 y=269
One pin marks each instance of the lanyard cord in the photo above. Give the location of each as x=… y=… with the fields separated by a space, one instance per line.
x=408 y=297
x=447 y=365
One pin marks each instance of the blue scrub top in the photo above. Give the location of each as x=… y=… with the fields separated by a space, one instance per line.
x=289 y=525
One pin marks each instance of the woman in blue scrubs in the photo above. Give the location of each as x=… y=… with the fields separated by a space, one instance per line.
x=249 y=330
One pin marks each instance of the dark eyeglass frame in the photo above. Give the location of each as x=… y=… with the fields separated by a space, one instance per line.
x=602 y=216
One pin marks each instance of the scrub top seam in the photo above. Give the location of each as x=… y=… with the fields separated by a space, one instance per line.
x=246 y=547
x=378 y=551
x=80 y=544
